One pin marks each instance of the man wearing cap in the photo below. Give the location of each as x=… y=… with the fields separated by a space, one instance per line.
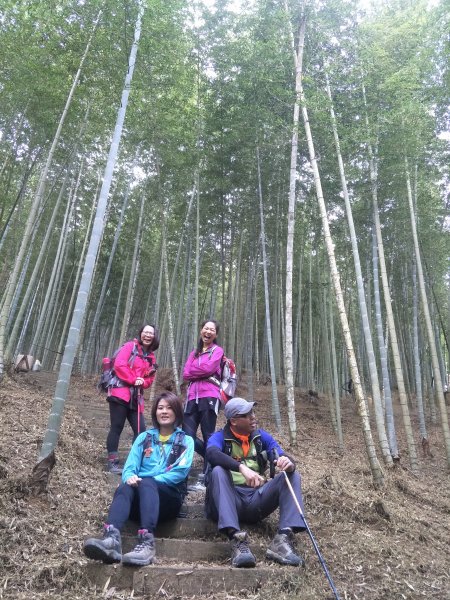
x=237 y=489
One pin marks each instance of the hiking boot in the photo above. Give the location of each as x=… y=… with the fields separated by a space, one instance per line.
x=108 y=549
x=281 y=550
x=143 y=553
x=114 y=467
x=199 y=485
x=241 y=555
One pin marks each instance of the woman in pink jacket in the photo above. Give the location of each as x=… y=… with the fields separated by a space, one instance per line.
x=135 y=369
x=202 y=367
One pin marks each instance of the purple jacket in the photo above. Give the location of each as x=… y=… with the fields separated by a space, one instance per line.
x=197 y=370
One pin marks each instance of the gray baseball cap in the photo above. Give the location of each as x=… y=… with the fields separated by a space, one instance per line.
x=237 y=406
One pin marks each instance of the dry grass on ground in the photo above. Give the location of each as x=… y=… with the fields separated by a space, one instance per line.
x=392 y=543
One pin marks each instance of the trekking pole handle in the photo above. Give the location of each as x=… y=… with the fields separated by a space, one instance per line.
x=274 y=457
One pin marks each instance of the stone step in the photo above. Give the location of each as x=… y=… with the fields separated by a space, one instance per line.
x=197 y=528
x=94 y=414
x=192 y=510
x=187 y=528
x=88 y=399
x=197 y=551
x=100 y=432
x=180 y=580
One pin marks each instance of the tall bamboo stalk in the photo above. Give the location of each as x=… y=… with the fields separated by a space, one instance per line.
x=275 y=404
x=371 y=362
x=426 y=313
x=62 y=385
x=288 y=347
x=388 y=303
x=375 y=466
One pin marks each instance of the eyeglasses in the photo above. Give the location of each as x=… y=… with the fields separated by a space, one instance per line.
x=247 y=416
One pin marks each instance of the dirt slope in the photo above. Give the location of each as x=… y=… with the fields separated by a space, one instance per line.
x=387 y=544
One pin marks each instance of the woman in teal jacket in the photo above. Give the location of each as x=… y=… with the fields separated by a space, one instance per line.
x=153 y=485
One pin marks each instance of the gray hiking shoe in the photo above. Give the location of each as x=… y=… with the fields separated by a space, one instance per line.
x=241 y=555
x=108 y=549
x=143 y=553
x=281 y=550
x=114 y=467
x=199 y=485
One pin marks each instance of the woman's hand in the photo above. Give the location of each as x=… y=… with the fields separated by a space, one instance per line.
x=139 y=381
x=133 y=480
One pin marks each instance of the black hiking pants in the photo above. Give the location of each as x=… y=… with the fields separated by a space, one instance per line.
x=201 y=414
x=119 y=413
x=148 y=503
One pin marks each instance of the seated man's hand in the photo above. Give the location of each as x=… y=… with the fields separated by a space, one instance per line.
x=285 y=464
x=252 y=479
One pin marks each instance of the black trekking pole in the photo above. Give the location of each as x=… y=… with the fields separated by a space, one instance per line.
x=316 y=548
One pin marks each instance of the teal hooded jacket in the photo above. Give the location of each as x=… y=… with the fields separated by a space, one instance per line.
x=149 y=457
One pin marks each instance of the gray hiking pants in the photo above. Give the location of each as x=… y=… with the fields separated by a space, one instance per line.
x=228 y=504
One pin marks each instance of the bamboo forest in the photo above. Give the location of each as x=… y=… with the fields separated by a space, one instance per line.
x=280 y=167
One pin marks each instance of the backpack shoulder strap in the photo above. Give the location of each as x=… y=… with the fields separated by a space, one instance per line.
x=178 y=447
x=147 y=446
x=134 y=353
x=258 y=443
x=210 y=351
x=261 y=456
x=147 y=441
x=228 y=447
x=179 y=438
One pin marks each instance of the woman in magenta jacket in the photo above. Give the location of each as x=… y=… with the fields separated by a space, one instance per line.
x=135 y=369
x=203 y=395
